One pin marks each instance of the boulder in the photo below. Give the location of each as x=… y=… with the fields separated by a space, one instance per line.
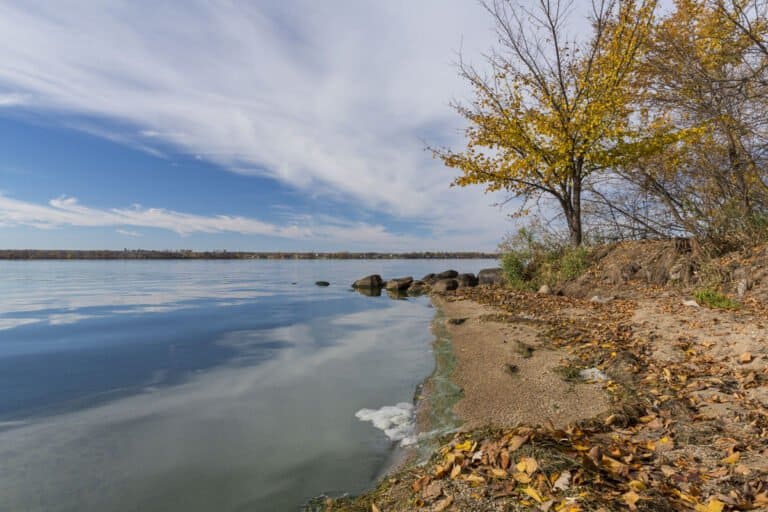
x=467 y=280
x=491 y=276
x=445 y=285
x=322 y=283
x=400 y=283
x=448 y=274
x=418 y=288
x=429 y=278
x=369 y=282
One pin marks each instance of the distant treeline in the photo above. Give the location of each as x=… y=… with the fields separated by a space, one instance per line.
x=24 y=254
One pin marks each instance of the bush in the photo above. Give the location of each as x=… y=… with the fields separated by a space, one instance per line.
x=513 y=265
x=714 y=299
x=530 y=261
x=573 y=262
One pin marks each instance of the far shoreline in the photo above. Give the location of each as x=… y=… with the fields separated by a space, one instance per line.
x=144 y=254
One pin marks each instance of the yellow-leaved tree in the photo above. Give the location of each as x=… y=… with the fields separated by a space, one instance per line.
x=553 y=111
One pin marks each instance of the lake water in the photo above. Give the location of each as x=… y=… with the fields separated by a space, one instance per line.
x=203 y=385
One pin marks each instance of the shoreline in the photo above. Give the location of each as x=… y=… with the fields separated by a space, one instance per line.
x=657 y=419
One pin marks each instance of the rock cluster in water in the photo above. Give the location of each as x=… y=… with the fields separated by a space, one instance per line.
x=431 y=283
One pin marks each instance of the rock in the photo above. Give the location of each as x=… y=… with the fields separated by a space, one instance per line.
x=601 y=300
x=467 y=280
x=448 y=274
x=429 y=278
x=457 y=321
x=372 y=281
x=445 y=285
x=322 y=283
x=691 y=303
x=400 y=283
x=545 y=290
x=418 y=288
x=369 y=292
x=592 y=374
x=490 y=276
x=741 y=288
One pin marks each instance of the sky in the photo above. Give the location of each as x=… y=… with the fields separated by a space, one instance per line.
x=277 y=125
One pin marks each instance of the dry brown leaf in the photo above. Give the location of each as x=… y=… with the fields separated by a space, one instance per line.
x=443 y=504
x=533 y=493
x=455 y=471
x=504 y=459
x=516 y=442
x=745 y=358
x=521 y=477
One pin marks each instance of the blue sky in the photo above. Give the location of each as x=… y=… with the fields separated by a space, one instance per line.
x=270 y=125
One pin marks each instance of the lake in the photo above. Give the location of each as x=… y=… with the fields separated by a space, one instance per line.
x=204 y=385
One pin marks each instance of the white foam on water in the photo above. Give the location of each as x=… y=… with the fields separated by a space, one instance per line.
x=396 y=421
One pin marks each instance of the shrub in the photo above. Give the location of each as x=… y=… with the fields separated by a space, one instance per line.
x=714 y=299
x=573 y=262
x=513 y=265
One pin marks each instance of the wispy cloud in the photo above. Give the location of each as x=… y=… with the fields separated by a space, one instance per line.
x=128 y=232
x=67 y=211
x=333 y=98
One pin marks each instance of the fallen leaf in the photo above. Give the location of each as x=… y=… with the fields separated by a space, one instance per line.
x=374 y=508
x=504 y=459
x=463 y=447
x=455 y=471
x=443 y=504
x=516 y=442
x=732 y=458
x=499 y=473
x=533 y=493
x=523 y=478
x=713 y=505
x=563 y=481
x=631 y=498
x=528 y=464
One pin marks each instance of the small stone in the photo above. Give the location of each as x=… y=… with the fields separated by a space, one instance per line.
x=322 y=283
x=745 y=358
x=691 y=303
x=545 y=290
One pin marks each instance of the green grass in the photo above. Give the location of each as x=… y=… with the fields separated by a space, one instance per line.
x=714 y=299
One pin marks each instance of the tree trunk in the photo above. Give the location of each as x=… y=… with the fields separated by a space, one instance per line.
x=573 y=213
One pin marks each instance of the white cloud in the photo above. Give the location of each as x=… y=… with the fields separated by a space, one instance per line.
x=67 y=211
x=128 y=232
x=333 y=98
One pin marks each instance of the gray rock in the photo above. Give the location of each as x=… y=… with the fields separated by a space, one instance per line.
x=491 y=276
x=601 y=300
x=418 y=288
x=467 y=280
x=545 y=290
x=400 y=283
x=372 y=281
x=322 y=283
x=448 y=274
x=445 y=285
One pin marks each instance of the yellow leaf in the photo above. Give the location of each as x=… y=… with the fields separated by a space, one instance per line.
x=732 y=458
x=522 y=478
x=631 y=498
x=528 y=464
x=713 y=505
x=455 y=471
x=499 y=473
x=636 y=485
x=533 y=493
x=463 y=447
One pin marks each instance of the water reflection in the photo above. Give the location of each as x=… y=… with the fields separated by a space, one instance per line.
x=223 y=404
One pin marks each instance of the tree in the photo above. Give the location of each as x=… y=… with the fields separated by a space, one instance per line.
x=554 y=111
x=704 y=72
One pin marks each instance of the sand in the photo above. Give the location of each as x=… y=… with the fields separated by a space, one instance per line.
x=504 y=383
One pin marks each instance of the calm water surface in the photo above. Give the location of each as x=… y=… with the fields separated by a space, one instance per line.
x=200 y=385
